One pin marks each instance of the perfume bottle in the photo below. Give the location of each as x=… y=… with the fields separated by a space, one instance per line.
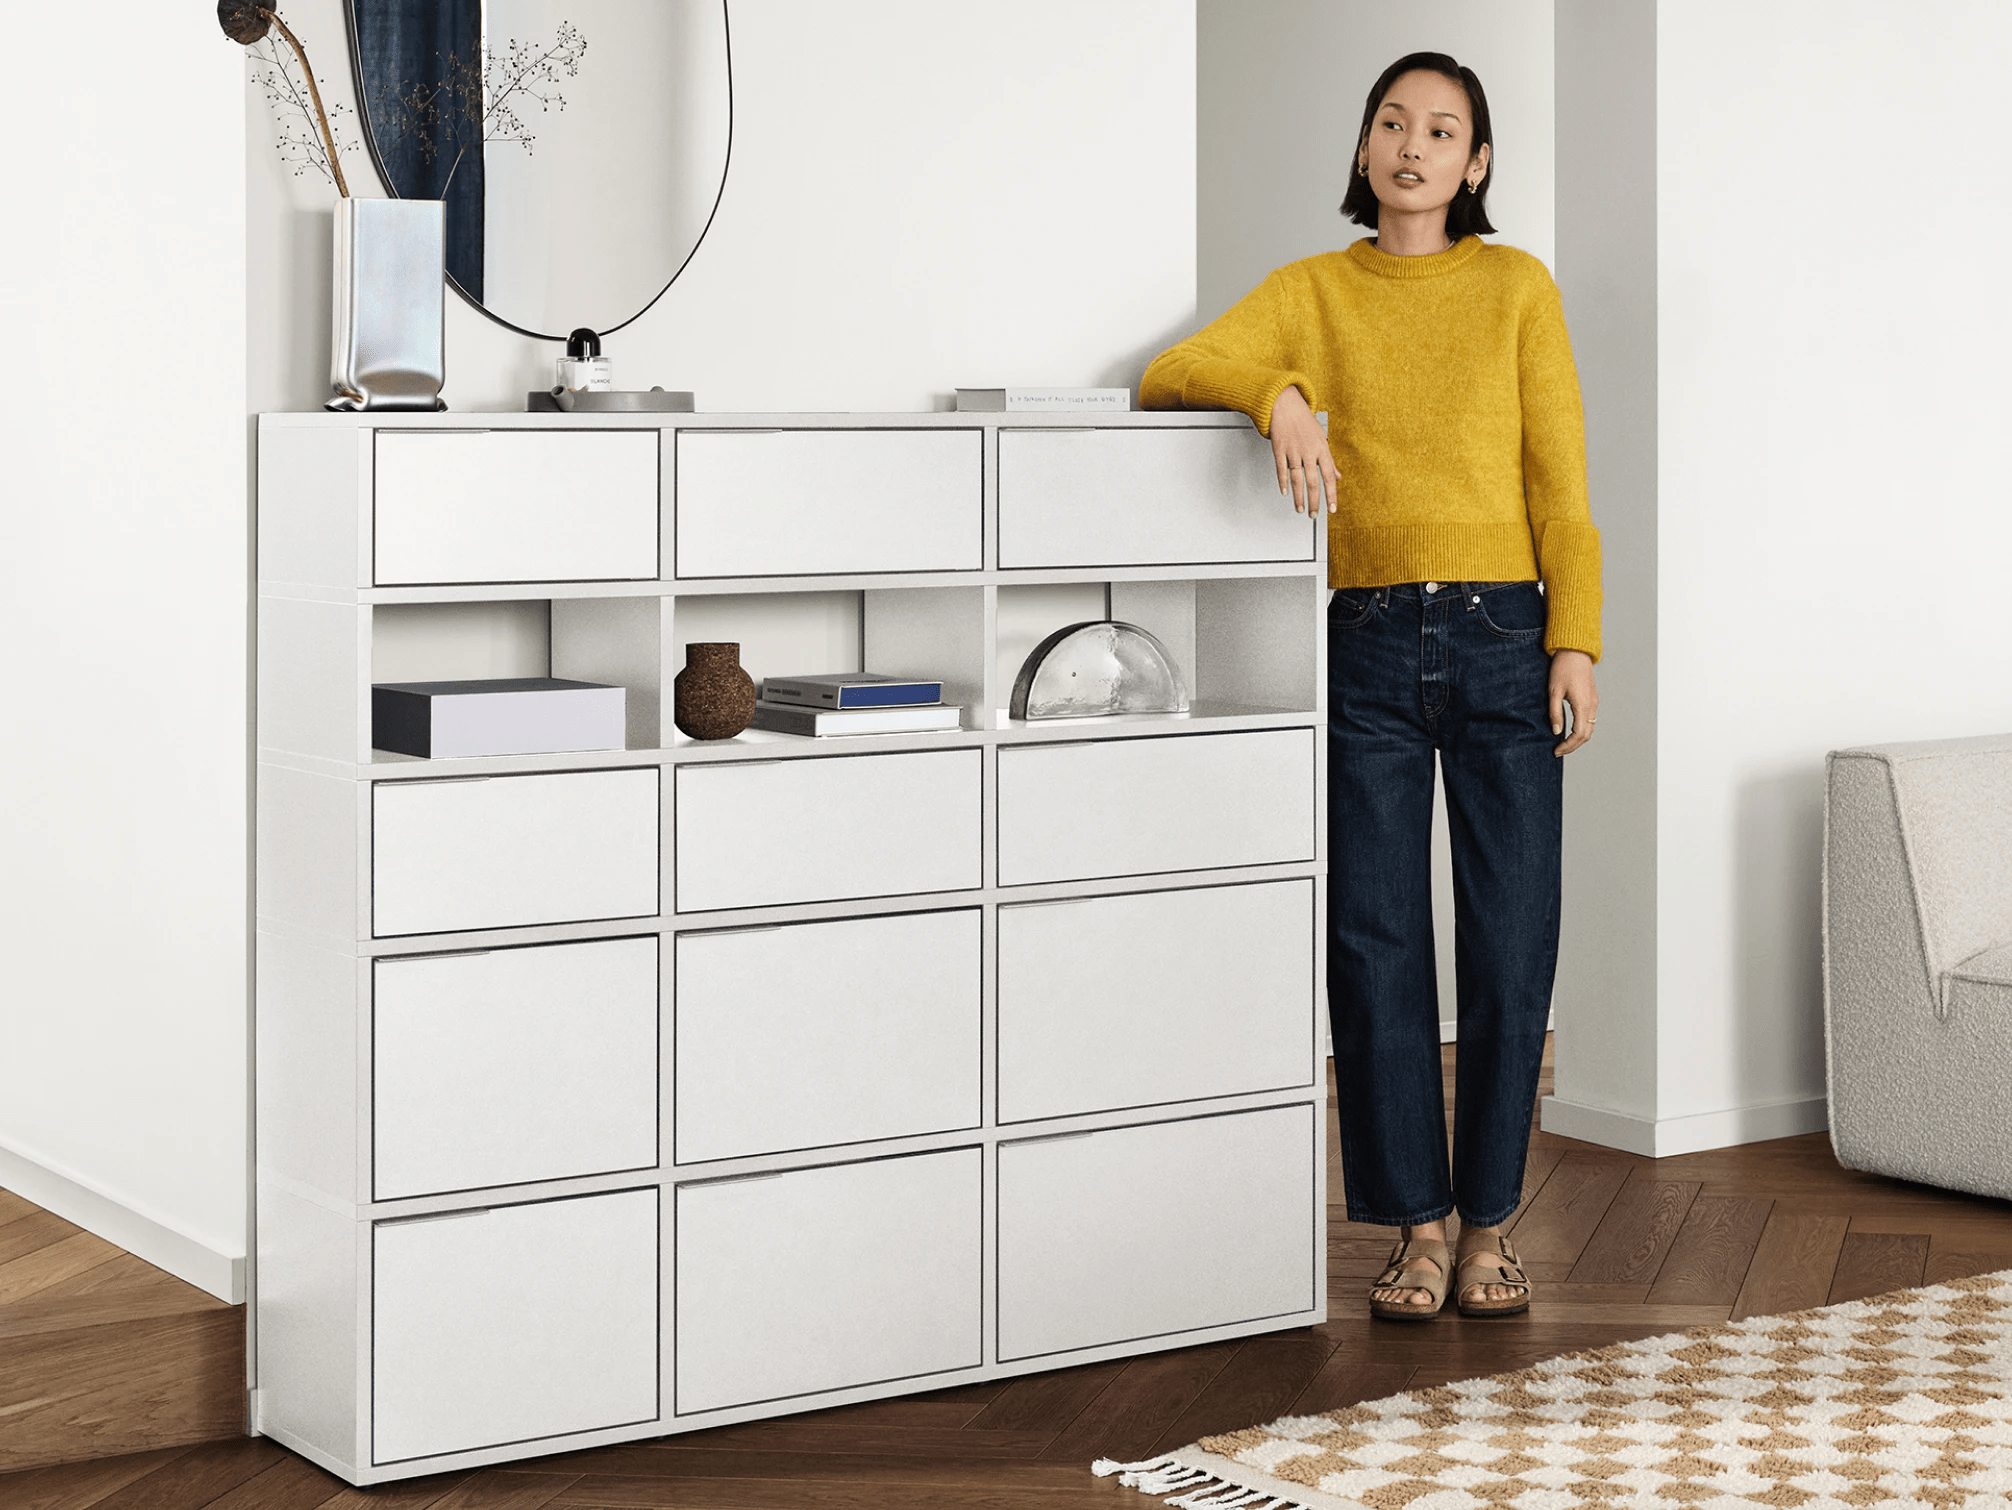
x=583 y=369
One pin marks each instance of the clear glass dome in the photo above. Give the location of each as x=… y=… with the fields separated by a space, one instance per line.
x=1101 y=667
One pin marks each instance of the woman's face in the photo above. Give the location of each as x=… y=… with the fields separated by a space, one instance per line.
x=1416 y=152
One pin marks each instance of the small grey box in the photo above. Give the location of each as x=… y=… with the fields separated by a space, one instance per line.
x=525 y=715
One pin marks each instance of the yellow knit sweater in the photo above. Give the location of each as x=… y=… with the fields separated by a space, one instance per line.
x=1453 y=415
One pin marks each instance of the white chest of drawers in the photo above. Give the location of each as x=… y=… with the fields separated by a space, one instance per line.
x=614 y=1095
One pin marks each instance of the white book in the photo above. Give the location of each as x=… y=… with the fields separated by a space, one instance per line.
x=532 y=715
x=786 y=718
x=1042 y=400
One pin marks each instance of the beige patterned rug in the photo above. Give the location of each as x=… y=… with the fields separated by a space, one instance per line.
x=1904 y=1399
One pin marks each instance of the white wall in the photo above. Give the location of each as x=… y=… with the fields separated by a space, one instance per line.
x=1273 y=160
x=1831 y=502
x=922 y=196
x=123 y=601
x=1834 y=489
x=1606 y=139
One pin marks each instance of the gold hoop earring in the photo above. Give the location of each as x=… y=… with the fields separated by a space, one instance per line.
x=1361 y=168
x=1473 y=186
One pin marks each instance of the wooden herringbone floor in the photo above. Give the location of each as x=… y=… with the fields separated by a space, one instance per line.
x=1621 y=1247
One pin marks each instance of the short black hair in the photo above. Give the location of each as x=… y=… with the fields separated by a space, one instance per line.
x=1468 y=214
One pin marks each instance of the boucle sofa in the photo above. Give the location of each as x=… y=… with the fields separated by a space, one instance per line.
x=1917 y=961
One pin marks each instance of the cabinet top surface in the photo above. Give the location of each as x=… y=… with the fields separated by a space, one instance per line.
x=1096 y=419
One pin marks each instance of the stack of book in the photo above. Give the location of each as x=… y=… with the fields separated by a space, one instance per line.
x=853 y=703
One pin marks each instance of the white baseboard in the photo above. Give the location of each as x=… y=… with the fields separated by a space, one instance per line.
x=1665 y=1137
x=76 y=1199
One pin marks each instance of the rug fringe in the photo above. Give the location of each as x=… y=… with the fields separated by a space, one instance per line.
x=1202 y=1489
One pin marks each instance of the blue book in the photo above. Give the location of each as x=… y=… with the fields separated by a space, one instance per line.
x=856 y=689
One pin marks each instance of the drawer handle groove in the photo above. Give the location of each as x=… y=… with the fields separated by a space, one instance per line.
x=736 y=1179
x=434 y=1216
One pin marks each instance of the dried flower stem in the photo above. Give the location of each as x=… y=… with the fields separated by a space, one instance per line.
x=327 y=136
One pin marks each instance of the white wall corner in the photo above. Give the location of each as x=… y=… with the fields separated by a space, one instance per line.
x=97 y=1211
x=1666 y=1137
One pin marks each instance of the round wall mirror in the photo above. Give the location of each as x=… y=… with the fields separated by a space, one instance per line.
x=580 y=146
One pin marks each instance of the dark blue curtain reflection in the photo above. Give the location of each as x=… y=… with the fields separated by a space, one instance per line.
x=423 y=45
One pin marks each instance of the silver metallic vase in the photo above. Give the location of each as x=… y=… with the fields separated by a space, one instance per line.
x=390 y=304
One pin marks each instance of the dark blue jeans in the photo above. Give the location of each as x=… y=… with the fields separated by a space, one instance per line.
x=1456 y=669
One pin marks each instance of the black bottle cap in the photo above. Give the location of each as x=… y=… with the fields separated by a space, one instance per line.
x=583 y=343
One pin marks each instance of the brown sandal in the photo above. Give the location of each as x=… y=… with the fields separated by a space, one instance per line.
x=1510 y=1273
x=1396 y=1276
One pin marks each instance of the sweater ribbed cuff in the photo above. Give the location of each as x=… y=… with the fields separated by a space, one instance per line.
x=1569 y=556
x=1250 y=389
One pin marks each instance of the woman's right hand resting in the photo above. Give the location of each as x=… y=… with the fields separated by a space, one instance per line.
x=1299 y=447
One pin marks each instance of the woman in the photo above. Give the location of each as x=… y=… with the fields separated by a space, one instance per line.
x=1465 y=622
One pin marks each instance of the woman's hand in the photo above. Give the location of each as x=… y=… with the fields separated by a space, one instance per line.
x=1572 y=682
x=1299 y=447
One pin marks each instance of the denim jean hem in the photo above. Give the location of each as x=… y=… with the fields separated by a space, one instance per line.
x=1370 y=1219
x=1470 y=1221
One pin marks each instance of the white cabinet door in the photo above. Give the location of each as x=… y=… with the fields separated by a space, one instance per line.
x=1108 y=1002
x=771 y=503
x=1139 y=497
x=1127 y=807
x=505 y=851
x=516 y=506
x=513 y=1324
x=512 y=1065
x=761 y=833
x=1144 y=1232
x=821 y=1033
x=823 y=1279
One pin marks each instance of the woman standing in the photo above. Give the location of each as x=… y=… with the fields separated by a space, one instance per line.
x=1465 y=623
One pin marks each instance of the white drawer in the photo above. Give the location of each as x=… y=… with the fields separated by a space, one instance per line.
x=824 y=1279
x=1108 y=1002
x=1127 y=807
x=821 y=1033
x=515 y=506
x=513 y=1324
x=506 y=851
x=1143 y=497
x=771 y=503
x=512 y=1065
x=1144 y=1232
x=759 y=833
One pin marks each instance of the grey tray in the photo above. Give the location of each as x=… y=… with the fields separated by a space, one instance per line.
x=616 y=401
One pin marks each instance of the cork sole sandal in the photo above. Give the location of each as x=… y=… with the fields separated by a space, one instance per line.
x=1396 y=1276
x=1471 y=1275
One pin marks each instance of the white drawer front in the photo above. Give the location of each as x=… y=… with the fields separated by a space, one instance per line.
x=822 y=1279
x=1127 y=807
x=822 y=1033
x=1111 y=1002
x=1072 y=1276
x=1143 y=497
x=513 y=850
x=770 y=503
x=516 y=506
x=513 y=1324
x=760 y=833
x=513 y=1065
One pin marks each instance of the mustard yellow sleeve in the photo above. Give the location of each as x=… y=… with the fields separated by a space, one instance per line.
x=1237 y=361
x=1554 y=478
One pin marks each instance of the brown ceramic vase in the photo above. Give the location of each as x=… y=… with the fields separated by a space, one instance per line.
x=712 y=698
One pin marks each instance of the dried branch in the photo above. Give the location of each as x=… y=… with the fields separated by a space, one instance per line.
x=477 y=100
x=301 y=145
x=248 y=23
